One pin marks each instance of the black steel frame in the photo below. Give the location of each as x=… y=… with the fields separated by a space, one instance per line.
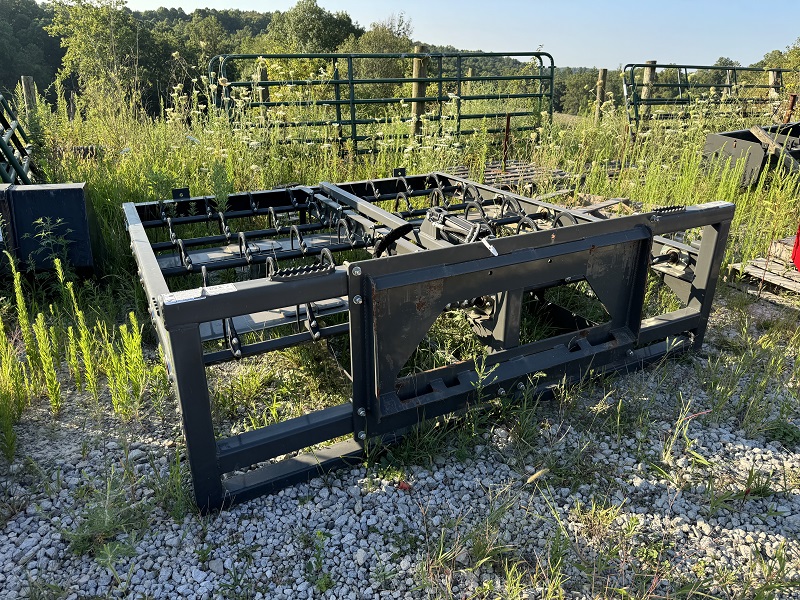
x=444 y=242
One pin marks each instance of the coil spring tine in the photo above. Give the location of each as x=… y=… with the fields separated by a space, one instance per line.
x=244 y=248
x=232 y=338
x=223 y=227
x=186 y=260
x=275 y=225
x=564 y=218
x=343 y=222
x=311 y=322
x=371 y=187
x=326 y=256
x=172 y=236
x=404 y=197
x=406 y=186
x=253 y=206
x=272 y=267
x=471 y=191
x=472 y=205
x=294 y=231
x=509 y=203
x=436 y=181
x=204 y=275
x=527 y=221
x=437 y=198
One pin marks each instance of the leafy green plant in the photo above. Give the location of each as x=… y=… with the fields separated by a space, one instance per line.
x=171 y=490
x=110 y=513
x=49 y=359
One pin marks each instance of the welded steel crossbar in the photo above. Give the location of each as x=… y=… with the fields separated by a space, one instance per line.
x=380 y=261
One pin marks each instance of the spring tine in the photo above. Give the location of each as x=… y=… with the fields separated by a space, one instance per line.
x=275 y=224
x=564 y=218
x=186 y=260
x=311 y=322
x=527 y=222
x=295 y=232
x=244 y=248
x=232 y=338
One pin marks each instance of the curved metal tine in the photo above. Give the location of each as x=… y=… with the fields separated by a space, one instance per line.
x=436 y=181
x=301 y=244
x=272 y=267
x=564 y=219
x=327 y=255
x=406 y=186
x=275 y=224
x=510 y=203
x=311 y=322
x=343 y=222
x=244 y=248
x=172 y=235
x=404 y=197
x=231 y=337
x=473 y=205
x=371 y=186
x=223 y=227
x=438 y=198
x=186 y=260
x=526 y=221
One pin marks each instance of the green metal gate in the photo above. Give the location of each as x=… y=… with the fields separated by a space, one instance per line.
x=350 y=98
x=666 y=91
x=15 y=147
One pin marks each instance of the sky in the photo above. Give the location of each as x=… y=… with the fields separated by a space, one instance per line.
x=577 y=33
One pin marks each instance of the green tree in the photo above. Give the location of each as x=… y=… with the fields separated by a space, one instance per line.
x=307 y=27
x=101 y=42
x=392 y=36
x=579 y=91
x=25 y=48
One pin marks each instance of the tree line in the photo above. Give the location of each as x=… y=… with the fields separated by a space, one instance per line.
x=102 y=46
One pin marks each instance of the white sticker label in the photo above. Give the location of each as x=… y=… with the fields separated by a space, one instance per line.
x=182 y=296
x=224 y=288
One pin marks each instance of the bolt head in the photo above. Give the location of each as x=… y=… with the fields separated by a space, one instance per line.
x=501 y=391
x=362 y=435
x=356 y=271
x=520 y=386
x=357 y=299
x=362 y=412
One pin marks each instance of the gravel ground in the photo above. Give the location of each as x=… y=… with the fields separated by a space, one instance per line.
x=609 y=513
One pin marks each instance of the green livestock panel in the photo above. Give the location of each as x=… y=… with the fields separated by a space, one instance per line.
x=15 y=147
x=656 y=91
x=356 y=99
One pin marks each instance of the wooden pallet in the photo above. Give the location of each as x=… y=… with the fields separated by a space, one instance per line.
x=778 y=269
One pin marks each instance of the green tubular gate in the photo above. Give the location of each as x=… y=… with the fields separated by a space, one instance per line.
x=672 y=90
x=344 y=95
x=15 y=161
